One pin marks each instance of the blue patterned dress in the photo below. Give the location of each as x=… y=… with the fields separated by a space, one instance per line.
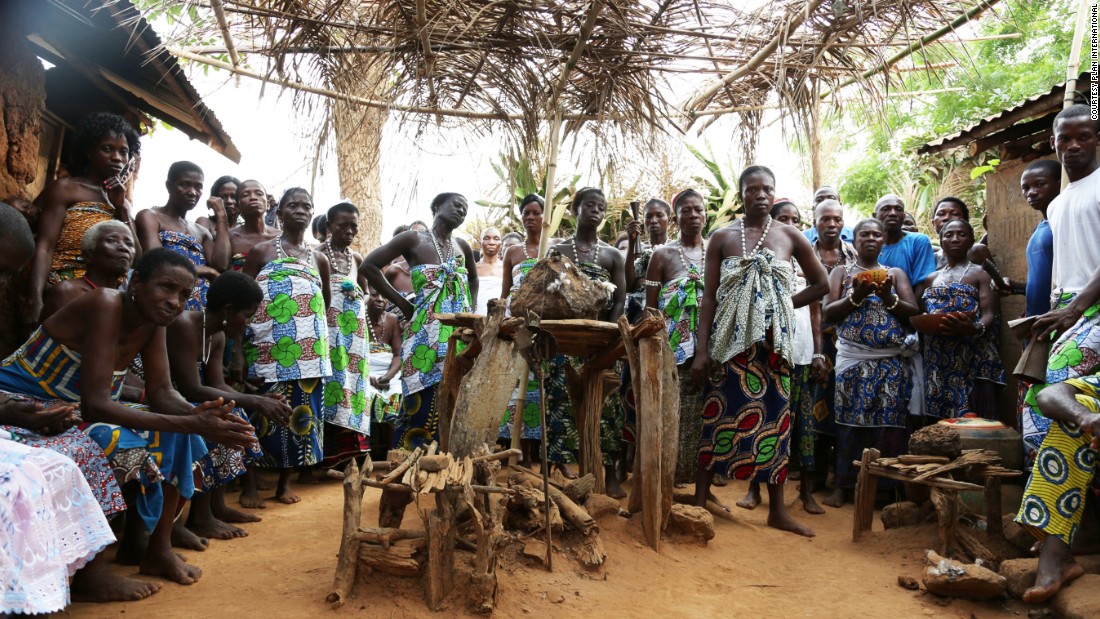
x=872 y=397
x=191 y=248
x=531 y=419
x=950 y=362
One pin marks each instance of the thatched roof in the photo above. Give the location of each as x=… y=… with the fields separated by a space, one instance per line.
x=638 y=63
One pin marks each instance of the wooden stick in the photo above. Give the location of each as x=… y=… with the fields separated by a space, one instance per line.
x=401 y=468
x=947 y=515
x=347 y=561
x=866 y=484
x=545 y=467
x=386 y=535
x=570 y=511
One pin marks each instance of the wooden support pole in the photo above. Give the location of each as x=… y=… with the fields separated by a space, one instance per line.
x=993 y=520
x=866 y=485
x=348 y=558
x=947 y=516
x=440 y=525
x=587 y=413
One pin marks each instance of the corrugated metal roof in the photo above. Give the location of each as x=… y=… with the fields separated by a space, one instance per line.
x=1034 y=106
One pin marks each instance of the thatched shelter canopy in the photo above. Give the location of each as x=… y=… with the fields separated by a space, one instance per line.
x=639 y=63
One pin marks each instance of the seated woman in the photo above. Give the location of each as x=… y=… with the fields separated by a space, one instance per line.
x=951 y=360
x=156 y=445
x=874 y=372
x=108 y=251
x=53 y=503
x=105 y=147
x=196 y=347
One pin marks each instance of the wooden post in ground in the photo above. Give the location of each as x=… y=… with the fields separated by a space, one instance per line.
x=947 y=516
x=486 y=389
x=348 y=559
x=587 y=413
x=866 y=486
x=439 y=577
x=455 y=366
x=993 y=520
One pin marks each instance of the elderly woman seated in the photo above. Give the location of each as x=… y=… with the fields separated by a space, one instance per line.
x=108 y=251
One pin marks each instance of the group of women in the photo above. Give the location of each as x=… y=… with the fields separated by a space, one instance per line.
x=166 y=359
x=145 y=330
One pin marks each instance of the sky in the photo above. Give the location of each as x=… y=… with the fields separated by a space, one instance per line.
x=277 y=149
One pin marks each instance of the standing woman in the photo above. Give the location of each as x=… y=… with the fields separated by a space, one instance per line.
x=490 y=269
x=674 y=285
x=951 y=359
x=810 y=369
x=518 y=261
x=441 y=283
x=749 y=306
x=289 y=349
x=346 y=397
x=105 y=149
x=252 y=202
x=225 y=189
x=874 y=372
x=656 y=214
x=603 y=264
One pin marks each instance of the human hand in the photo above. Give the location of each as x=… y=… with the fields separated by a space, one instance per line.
x=115 y=188
x=274 y=407
x=863 y=289
x=819 y=369
x=215 y=421
x=633 y=229
x=699 y=369
x=959 y=326
x=37 y=418
x=407 y=308
x=217 y=208
x=32 y=311
x=1055 y=323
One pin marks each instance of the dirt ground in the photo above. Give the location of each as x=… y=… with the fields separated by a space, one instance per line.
x=285 y=568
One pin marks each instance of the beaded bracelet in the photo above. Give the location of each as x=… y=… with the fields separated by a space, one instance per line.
x=651 y=283
x=890 y=307
x=853 y=301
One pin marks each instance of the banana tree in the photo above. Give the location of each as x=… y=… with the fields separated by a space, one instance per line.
x=721 y=201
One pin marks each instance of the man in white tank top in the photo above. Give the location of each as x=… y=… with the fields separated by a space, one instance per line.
x=1054 y=501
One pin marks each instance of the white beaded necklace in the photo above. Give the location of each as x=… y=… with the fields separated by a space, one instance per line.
x=346 y=253
x=594 y=251
x=759 y=244
x=281 y=252
x=439 y=248
x=684 y=260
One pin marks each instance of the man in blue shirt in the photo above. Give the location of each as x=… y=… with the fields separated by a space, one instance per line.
x=1040 y=184
x=823 y=193
x=909 y=251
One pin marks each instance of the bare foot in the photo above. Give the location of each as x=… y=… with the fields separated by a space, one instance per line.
x=564 y=470
x=284 y=494
x=836 y=499
x=783 y=521
x=262 y=484
x=614 y=490
x=1046 y=585
x=810 y=504
x=752 y=498
x=215 y=529
x=228 y=514
x=250 y=498
x=97 y=583
x=182 y=537
x=714 y=499
x=171 y=566
x=306 y=477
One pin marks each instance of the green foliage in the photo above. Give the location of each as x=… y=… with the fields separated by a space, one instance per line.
x=518 y=177
x=994 y=74
x=723 y=204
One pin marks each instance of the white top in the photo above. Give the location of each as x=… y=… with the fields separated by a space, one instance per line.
x=803 y=352
x=1075 y=223
x=488 y=287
